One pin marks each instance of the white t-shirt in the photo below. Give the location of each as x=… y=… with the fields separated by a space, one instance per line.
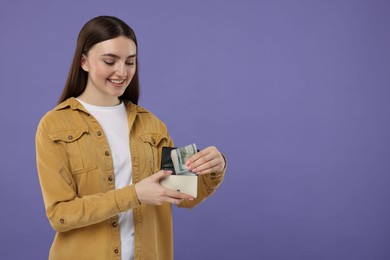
x=114 y=122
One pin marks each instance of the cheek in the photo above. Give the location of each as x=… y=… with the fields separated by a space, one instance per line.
x=99 y=70
x=131 y=72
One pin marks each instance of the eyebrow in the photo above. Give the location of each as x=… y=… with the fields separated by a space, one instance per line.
x=116 y=56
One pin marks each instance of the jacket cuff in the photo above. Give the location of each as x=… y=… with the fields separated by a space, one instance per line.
x=213 y=180
x=126 y=198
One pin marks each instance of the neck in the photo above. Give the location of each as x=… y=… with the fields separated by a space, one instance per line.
x=102 y=102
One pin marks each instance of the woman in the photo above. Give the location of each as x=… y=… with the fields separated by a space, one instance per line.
x=99 y=154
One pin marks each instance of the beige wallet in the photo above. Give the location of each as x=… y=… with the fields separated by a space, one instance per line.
x=183 y=183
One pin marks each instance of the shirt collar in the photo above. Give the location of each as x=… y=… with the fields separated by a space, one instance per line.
x=73 y=104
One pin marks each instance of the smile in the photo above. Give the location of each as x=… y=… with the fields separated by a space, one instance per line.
x=116 y=81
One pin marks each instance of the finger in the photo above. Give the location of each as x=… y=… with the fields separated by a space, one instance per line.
x=173 y=200
x=200 y=154
x=177 y=195
x=201 y=161
x=194 y=158
x=214 y=163
x=161 y=174
x=214 y=160
x=209 y=168
x=163 y=200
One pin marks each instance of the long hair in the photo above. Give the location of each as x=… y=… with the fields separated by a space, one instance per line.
x=96 y=30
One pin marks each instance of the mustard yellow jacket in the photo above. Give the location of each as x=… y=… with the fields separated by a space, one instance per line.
x=77 y=178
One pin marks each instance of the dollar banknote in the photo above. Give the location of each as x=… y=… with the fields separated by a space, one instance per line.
x=180 y=156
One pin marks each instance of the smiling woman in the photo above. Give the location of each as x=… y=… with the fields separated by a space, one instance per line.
x=111 y=66
x=101 y=33
x=98 y=156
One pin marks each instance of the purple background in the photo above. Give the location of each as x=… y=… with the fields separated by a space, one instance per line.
x=295 y=93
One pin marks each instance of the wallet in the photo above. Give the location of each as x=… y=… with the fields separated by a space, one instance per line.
x=183 y=183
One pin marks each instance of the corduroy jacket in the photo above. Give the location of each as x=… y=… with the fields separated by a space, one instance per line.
x=76 y=174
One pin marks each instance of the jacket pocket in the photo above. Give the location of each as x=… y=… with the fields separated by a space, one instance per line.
x=152 y=145
x=79 y=148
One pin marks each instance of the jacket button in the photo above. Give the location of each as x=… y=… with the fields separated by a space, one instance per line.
x=116 y=251
x=107 y=153
x=110 y=178
x=62 y=221
x=114 y=224
x=99 y=133
x=70 y=137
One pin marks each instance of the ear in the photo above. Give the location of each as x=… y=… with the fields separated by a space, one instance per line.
x=84 y=63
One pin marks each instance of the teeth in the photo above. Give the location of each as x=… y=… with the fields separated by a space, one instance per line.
x=117 y=81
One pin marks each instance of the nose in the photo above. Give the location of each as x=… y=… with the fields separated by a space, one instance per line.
x=120 y=69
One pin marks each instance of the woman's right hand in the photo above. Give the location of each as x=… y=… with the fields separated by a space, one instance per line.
x=149 y=191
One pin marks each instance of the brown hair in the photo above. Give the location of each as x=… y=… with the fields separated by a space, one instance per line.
x=96 y=30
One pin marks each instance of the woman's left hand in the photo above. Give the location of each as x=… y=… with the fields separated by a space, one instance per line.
x=209 y=160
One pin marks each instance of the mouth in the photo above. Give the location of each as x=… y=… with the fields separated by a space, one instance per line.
x=117 y=81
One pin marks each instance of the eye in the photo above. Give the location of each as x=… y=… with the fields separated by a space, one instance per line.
x=130 y=63
x=109 y=62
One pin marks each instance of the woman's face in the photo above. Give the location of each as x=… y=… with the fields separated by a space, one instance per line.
x=111 y=66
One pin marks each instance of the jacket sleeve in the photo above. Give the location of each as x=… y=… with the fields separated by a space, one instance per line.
x=64 y=208
x=207 y=185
